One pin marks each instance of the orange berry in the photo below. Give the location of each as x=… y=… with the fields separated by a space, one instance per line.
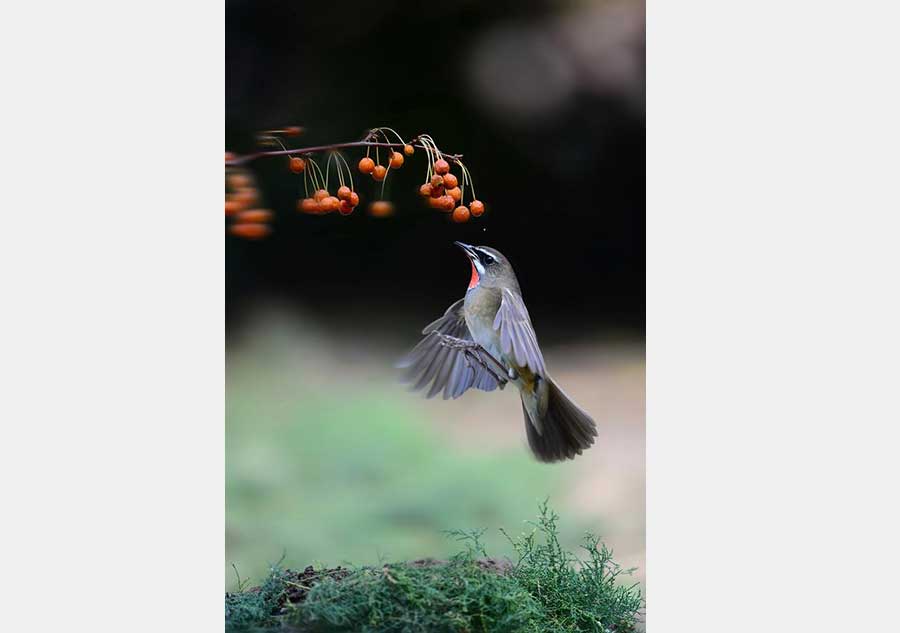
x=250 y=230
x=437 y=181
x=366 y=165
x=232 y=207
x=437 y=192
x=354 y=199
x=333 y=203
x=297 y=165
x=254 y=216
x=345 y=207
x=425 y=190
x=477 y=207
x=447 y=203
x=320 y=195
x=379 y=172
x=381 y=209
x=245 y=196
x=450 y=181
x=441 y=166
x=435 y=203
x=408 y=149
x=396 y=160
x=308 y=205
x=237 y=181
x=232 y=202
x=461 y=214
x=293 y=130
x=455 y=193
x=343 y=192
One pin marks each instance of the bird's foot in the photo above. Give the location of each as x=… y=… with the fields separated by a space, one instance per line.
x=472 y=351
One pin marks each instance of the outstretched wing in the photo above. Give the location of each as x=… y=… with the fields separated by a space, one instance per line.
x=445 y=367
x=517 y=337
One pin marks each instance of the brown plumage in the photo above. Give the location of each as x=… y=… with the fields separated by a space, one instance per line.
x=485 y=340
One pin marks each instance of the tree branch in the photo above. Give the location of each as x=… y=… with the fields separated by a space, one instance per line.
x=300 y=151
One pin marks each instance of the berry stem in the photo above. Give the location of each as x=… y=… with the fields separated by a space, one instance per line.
x=337 y=164
x=384 y=181
x=305 y=182
x=433 y=144
x=467 y=177
x=349 y=171
x=316 y=181
x=400 y=138
x=462 y=192
x=427 y=145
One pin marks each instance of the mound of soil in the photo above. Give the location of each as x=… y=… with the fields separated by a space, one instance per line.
x=299 y=583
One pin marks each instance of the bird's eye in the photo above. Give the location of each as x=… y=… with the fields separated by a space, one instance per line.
x=487 y=259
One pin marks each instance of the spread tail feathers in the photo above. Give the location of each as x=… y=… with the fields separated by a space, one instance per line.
x=565 y=429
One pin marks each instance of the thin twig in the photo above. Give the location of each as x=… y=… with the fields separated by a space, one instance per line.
x=241 y=160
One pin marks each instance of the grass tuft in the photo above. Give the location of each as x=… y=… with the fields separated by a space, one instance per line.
x=575 y=593
x=257 y=608
x=547 y=589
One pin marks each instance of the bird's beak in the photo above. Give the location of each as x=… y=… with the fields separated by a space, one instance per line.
x=468 y=250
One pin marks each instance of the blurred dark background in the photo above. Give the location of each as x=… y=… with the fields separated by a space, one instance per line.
x=544 y=99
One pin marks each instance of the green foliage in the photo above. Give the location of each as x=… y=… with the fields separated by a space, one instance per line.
x=576 y=594
x=256 y=609
x=548 y=589
x=457 y=596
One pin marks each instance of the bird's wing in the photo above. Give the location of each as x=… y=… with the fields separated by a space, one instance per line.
x=445 y=367
x=517 y=337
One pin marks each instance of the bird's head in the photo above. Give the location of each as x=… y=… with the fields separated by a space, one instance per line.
x=489 y=267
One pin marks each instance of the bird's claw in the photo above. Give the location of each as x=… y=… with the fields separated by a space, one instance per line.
x=473 y=351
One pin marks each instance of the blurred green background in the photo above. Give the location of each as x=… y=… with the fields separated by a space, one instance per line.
x=332 y=461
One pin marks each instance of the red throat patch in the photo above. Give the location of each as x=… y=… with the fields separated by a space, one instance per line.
x=474 y=280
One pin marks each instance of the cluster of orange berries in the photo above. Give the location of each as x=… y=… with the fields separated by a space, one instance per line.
x=368 y=167
x=241 y=206
x=345 y=199
x=442 y=189
x=379 y=172
x=322 y=202
x=442 y=192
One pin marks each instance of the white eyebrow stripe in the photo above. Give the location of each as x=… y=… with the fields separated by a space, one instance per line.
x=484 y=252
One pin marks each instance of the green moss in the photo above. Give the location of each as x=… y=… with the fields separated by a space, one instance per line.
x=547 y=589
x=456 y=596
x=256 y=609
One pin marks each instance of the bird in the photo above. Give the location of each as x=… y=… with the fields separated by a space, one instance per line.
x=486 y=340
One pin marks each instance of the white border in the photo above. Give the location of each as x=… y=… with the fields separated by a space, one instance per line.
x=772 y=316
x=111 y=457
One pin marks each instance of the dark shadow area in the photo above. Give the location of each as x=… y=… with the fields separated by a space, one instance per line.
x=544 y=101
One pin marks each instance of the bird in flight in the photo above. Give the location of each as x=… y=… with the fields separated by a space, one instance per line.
x=485 y=340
